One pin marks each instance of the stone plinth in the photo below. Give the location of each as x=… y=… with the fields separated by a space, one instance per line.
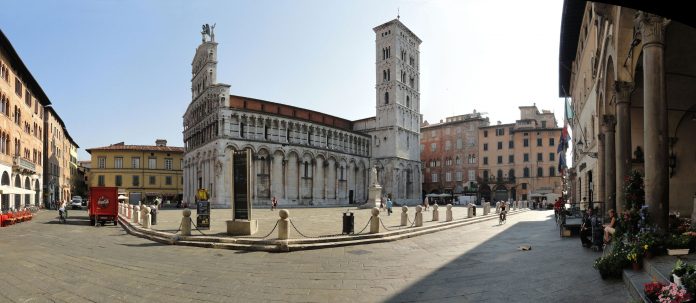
x=242 y=227
x=374 y=196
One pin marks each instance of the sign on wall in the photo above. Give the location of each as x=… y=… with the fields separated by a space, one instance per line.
x=202 y=209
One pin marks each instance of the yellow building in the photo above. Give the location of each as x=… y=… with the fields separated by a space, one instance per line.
x=58 y=153
x=519 y=161
x=141 y=172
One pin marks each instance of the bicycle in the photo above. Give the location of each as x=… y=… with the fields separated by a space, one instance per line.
x=503 y=218
x=63 y=216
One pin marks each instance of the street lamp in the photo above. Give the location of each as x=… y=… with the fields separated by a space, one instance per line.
x=581 y=151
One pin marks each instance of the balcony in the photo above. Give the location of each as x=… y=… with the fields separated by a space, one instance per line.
x=23 y=165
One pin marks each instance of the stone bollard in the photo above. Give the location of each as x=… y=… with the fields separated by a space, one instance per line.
x=147 y=218
x=186 y=222
x=404 y=216
x=283 y=230
x=129 y=211
x=497 y=207
x=470 y=210
x=374 y=221
x=142 y=214
x=419 y=216
x=136 y=215
x=448 y=213
x=436 y=213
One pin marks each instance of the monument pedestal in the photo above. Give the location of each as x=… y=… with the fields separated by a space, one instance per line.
x=374 y=197
x=242 y=227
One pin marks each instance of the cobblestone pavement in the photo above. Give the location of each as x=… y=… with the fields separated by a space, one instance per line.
x=312 y=222
x=43 y=261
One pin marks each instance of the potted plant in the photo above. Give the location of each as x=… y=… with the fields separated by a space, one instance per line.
x=648 y=241
x=678 y=244
x=681 y=269
x=652 y=290
x=635 y=256
x=673 y=294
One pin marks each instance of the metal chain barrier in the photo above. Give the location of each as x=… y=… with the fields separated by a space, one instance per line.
x=368 y=223
x=382 y=222
x=271 y=232
x=297 y=230
x=196 y=227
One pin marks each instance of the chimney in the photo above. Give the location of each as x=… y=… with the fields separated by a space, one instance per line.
x=161 y=142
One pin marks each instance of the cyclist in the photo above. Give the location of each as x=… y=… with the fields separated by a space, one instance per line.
x=502 y=212
x=62 y=213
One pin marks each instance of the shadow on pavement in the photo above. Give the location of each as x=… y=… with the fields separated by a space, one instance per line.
x=147 y=244
x=496 y=270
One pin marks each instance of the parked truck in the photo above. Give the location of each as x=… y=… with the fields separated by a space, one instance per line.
x=103 y=205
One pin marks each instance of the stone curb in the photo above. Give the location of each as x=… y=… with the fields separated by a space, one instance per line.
x=298 y=244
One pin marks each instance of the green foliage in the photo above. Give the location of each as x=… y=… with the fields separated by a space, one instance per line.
x=634 y=191
x=682 y=268
x=614 y=262
x=678 y=241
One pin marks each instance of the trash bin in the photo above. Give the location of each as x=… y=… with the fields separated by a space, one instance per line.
x=153 y=213
x=474 y=210
x=348 y=223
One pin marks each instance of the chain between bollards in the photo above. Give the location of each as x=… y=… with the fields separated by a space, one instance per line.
x=196 y=227
x=297 y=230
x=368 y=223
x=271 y=232
x=382 y=222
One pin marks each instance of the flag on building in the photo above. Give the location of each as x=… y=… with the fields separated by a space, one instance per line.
x=563 y=142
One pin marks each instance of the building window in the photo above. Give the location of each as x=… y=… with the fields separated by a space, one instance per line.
x=448 y=145
x=136 y=180
x=485 y=134
x=306 y=169
x=100 y=180
x=543 y=124
x=500 y=174
x=500 y=132
x=511 y=159
x=511 y=174
x=152 y=163
x=459 y=176
x=485 y=175
x=540 y=157
x=552 y=142
x=119 y=180
x=539 y=142
x=525 y=158
x=511 y=144
x=526 y=142
x=458 y=160
x=433 y=177
x=448 y=177
x=485 y=160
x=168 y=180
x=18 y=87
x=433 y=147
x=241 y=130
x=540 y=172
x=524 y=197
x=102 y=162
x=552 y=157
x=135 y=162
x=459 y=143
x=168 y=163
x=386 y=98
x=118 y=162
x=500 y=145
x=525 y=172
x=472 y=175
x=500 y=159
x=552 y=171
x=485 y=146
x=524 y=185
x=152 y=180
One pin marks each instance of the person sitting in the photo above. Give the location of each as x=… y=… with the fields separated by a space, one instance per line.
x=609 y=229
x=586 y=229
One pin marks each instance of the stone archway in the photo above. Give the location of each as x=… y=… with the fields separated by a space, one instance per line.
x=5 y=203
x=17 y=197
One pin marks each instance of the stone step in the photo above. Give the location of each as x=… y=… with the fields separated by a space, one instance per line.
x=634 y=281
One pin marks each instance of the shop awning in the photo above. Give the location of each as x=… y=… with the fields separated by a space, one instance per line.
x=5 y=190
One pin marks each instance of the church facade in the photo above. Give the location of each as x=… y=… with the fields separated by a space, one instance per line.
x=300 y=156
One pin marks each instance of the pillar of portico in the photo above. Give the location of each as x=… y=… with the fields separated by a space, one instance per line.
x=655 y=137
x=331 y=180
x=623 y=138
x=599 y=176
x=318 y=179
x=608 y=128
x=277 y=175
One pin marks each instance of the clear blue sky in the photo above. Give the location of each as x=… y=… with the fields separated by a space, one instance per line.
x=120 y=70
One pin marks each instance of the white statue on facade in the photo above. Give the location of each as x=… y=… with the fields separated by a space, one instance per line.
x=373 y=175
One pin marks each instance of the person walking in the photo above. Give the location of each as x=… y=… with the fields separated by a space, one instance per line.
x=389 y=207
x=274 y=203
x=426 y=203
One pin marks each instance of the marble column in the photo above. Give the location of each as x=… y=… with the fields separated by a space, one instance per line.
x=598 y=177
x=623 y=138
x=656 y=138
x=292 y=184
x=318 y=179
x=331 y=180
x=608 y=128
x=277 y=175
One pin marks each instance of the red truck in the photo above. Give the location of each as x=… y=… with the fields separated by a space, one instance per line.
x=103 y=205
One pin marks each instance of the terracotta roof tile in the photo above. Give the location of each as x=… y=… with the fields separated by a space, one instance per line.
x=139 y=148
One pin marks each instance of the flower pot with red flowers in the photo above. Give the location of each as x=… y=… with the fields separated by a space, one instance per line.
x=673 y=294
x=652 y=290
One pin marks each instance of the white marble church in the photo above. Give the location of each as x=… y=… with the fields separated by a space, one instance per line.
x=304 y=157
